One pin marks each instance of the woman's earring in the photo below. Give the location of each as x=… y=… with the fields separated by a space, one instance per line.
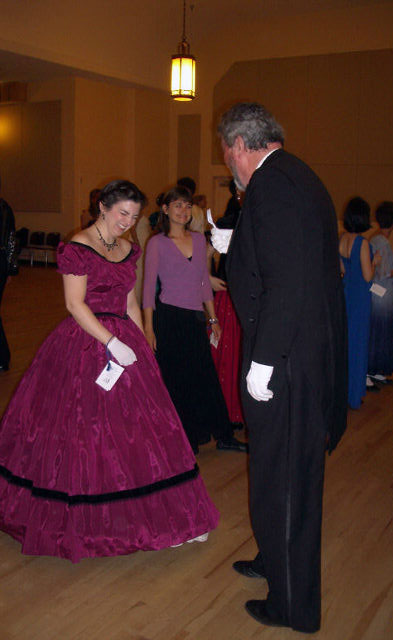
x=103 y=215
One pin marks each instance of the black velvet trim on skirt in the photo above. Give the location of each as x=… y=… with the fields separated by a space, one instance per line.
x=99 y=498
x=101 y=314
x=187 y=367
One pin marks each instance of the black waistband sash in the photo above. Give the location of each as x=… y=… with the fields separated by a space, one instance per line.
x=101 y=314
x=100 y=498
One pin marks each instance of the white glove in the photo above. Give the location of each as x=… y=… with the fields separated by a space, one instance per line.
x=123 y=354
x=258 y=378
x=220 y=239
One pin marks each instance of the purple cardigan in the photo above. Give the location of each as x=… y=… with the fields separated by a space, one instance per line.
x=184 y=283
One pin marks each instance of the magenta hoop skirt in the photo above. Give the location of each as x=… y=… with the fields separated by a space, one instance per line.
x=86 y=472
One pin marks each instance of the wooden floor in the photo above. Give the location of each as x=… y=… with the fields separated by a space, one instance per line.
x=191 y=593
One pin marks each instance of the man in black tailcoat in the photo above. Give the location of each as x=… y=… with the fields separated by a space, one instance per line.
x=284 y=278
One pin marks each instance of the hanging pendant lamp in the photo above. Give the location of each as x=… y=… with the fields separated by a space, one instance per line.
x=183 y=68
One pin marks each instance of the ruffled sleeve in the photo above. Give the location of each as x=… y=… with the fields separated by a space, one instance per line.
x=72 y=259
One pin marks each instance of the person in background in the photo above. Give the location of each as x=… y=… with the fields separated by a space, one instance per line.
x=232 y=211
x=227 y=354
x=198 y=220
x=358 y=270
x=153 y=218
x=90 y=215
x=201 y=201
x=93 y=458
x=177 y=332
x=8 y=267
x=380 y=355
x=283 y=275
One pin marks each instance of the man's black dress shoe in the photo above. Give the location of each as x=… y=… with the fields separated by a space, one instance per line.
x=257 y=610
x=231 y=444
x=245 y=568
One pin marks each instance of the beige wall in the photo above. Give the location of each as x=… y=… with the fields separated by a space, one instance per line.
x=103 y=121
x=107 y=132
x=63 y=90
x=120 y=133
x=152 y=139
x=30 y=154
x=336 y=110
x=364 y=28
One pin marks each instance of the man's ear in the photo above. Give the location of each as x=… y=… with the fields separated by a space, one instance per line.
x=239 y=145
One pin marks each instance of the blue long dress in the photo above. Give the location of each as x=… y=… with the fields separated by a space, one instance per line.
x=358 y=303
x=380 y=357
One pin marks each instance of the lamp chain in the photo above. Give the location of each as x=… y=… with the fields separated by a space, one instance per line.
x=184 y=20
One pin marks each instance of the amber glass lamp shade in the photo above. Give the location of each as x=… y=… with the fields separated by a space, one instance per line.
x=183 y=74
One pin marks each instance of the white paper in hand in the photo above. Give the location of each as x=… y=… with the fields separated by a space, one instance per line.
x=108 y=378
x=213 y=340
x=378 y=290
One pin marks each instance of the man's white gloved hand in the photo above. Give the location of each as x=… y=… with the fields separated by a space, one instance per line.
x=258 y=378
x=123 y=354
x=220 y=239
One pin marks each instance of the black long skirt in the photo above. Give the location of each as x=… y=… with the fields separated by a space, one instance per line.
x=183 y=354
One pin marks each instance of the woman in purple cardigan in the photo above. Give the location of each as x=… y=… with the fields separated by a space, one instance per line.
x=177 y=329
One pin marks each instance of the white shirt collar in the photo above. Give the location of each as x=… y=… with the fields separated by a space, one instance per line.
x=264 y=158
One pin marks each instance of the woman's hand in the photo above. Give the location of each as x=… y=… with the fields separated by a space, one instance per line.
x=217 y=284
x=151 y=338
x=216 y=331
x=122 y=352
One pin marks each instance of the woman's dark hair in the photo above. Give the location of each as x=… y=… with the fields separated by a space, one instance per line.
x=189 y=183
x=119 y=190
x=357 y=215
x=159 y=199
x=177 y=193
x=94 y=209
x=384 y=214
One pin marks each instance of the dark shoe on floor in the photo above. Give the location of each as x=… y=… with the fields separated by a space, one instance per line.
x=195 y=449
x=257 y=610
x=231 y=444
x=237 y=426
x=373 y=388
x=245 y=568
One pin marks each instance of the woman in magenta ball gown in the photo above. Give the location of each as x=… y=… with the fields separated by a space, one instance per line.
x=84 y=471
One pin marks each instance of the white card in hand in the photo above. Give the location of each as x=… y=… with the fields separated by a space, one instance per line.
x=378 y=290
x=213 y=340
x=108 y=378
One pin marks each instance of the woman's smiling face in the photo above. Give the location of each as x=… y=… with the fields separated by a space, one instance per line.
x=122 y=216
x=178 y=211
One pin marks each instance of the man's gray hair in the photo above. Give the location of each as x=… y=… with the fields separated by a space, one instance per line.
x=253 y=122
